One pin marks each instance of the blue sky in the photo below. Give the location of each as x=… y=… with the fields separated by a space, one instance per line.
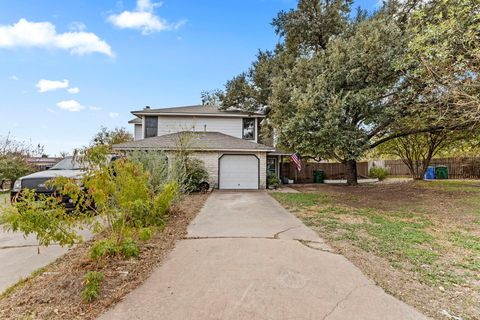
x=101 y=59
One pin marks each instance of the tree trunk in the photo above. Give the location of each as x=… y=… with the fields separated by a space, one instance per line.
x=351 y=172
x=417 y=171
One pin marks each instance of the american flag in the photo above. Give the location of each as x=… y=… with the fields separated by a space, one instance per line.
x=297 y=161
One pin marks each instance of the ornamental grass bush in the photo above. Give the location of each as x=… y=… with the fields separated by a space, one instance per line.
x=378 y=172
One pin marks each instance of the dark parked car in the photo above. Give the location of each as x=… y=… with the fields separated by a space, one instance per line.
x=67 y=167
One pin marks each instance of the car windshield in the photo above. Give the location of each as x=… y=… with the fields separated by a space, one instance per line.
x=68 y=164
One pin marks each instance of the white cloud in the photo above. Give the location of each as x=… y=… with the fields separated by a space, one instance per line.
x=73 y=90
x=50 y=85
x=70 y=105
x=44 y=35
x=143 y=18
x=13 y=77
x=113 y=114
x=147 y=5
x=77 y=26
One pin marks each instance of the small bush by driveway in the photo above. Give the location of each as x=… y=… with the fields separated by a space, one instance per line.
x=419 y=240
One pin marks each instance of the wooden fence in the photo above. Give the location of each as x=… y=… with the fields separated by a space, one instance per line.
x=332 y=171
x=458 y=168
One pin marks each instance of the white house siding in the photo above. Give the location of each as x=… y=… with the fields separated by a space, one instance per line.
x=210 y=159
x=138 y=132
x=172 y=124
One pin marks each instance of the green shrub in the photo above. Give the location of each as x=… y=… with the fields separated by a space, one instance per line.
x=378 y=172
x=156 y=164
x=145 y=234
x=188 y=172
x=273 y=181
x=44 y=217
x=103 y=248
x=121 y=195
x=92 y=288
x=129 y=248
x=164 y=200
x=141 y=214
x=196 y=173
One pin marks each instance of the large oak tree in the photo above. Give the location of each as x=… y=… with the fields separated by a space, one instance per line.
x=336 y=87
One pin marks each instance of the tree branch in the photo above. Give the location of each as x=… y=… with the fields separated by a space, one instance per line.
x=424 y=130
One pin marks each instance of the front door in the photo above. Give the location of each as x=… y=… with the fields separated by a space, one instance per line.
x=272 y=166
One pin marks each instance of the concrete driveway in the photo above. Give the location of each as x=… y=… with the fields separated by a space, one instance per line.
x=246 y=257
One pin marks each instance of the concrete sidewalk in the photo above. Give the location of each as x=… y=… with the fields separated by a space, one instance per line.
x=248 y=258
x=20 y=256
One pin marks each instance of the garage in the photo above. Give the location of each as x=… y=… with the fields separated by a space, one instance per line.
x=238 y=171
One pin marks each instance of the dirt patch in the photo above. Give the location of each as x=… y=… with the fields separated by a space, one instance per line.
x=56 y=292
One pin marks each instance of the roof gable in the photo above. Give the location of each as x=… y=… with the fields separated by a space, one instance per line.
x=135 y=121
x=205 y=110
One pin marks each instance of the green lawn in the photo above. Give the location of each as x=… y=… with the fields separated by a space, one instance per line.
x=425 y=235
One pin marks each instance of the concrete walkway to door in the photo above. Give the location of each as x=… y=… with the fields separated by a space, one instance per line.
x=246 y=257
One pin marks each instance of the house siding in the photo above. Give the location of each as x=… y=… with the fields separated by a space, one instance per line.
x=173 y=124
x=232 y=126
x=211 y=161
x=138 y=135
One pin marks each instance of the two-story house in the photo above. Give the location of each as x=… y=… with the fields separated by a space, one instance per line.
x=226 y=141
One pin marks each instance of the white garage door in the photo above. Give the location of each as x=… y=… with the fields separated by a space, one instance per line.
x=238 y=172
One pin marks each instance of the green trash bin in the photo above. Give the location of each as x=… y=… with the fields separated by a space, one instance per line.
x=318 y=176
x=441 y=172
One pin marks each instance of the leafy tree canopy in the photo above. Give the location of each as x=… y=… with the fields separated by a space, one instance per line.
x=110 y=137
x=13 y=158
x=337 y=86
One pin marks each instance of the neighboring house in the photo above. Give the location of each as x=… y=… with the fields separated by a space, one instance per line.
x=226 y=141
x=42 y=163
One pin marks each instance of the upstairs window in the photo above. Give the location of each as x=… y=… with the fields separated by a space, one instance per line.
x=249 y=129
x=151 y=127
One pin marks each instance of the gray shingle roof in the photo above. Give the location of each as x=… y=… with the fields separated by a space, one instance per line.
x=208 y=141
x=135 y=121
x=196 y=109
